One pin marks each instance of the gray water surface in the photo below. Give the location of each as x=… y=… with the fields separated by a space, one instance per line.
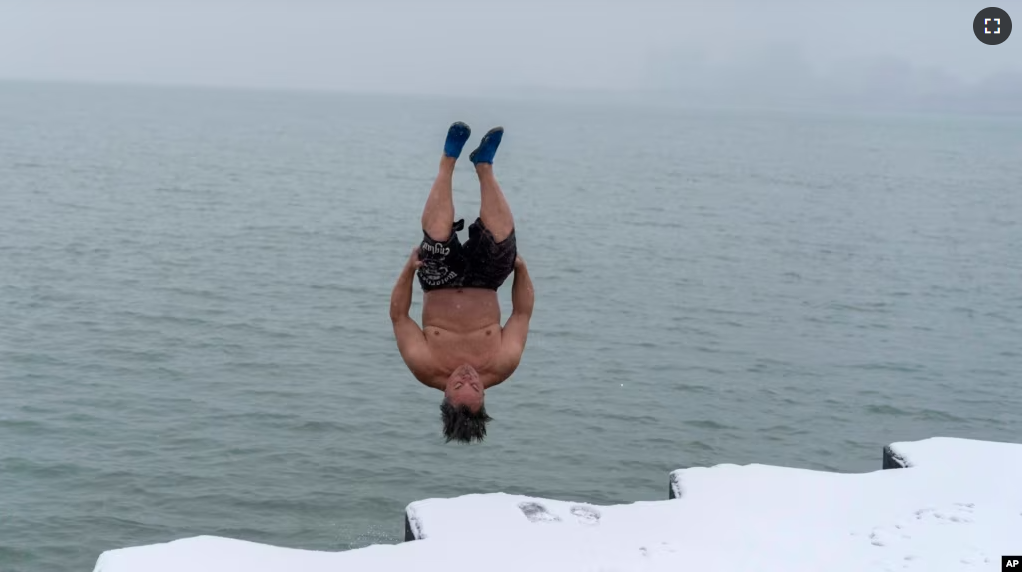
x=194 y=288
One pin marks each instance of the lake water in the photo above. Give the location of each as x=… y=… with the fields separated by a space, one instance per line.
x=194 y=289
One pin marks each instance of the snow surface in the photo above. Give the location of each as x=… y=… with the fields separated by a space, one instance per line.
x=730 y=517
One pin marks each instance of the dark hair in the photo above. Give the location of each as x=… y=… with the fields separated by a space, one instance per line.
x=461 y=423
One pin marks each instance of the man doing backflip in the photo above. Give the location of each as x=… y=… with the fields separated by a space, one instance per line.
x=461 y=348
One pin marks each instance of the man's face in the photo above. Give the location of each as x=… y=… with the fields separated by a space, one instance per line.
x=464 y=388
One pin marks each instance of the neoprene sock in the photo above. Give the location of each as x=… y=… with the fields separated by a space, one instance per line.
x=457 y=136
x=487 y=147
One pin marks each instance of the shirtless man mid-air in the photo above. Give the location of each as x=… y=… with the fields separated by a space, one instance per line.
x=461 y=348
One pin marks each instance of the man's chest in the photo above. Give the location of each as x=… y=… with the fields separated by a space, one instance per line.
x=478 y=348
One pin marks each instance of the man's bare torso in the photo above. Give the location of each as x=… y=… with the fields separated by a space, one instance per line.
x=463 y=326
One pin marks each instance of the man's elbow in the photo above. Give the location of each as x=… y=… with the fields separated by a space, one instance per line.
x=397 y=313
x=523 y=310
x=523 y=304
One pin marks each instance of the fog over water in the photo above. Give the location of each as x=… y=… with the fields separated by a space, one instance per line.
x=911 y=56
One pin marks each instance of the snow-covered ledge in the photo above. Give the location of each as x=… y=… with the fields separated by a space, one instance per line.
x=948 y=453
x=947 y=511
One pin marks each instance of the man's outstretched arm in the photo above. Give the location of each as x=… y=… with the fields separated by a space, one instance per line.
x=516 y=330
x=410 y=340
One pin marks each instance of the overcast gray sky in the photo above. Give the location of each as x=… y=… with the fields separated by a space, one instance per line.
x=463 y=46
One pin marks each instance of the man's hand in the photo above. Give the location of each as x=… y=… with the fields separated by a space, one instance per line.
x=414 y=262
x=519 y=263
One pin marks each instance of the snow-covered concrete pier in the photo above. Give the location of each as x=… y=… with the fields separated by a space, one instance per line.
x=954 y=504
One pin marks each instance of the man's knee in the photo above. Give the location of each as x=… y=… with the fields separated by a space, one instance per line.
x=441 y=232
x=435 y=235
x=499 y=230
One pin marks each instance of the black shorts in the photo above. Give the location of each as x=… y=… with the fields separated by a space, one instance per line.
x=481 y=262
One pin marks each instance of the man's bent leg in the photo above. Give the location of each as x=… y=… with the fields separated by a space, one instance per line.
x=493 y=208
x=491 y=248
x=443 y=261
x=438 y=214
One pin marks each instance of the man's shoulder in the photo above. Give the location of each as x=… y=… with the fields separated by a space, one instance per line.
x=417 y=354
x=496 y=377
x=427 y=370
x=504 y=365
x=429 y=379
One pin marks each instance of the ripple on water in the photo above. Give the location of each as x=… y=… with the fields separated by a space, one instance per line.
x=696 y=446
x=937 y=415
x=25 y=426
x=885 y=409
x=324 y=427
x=707 y=424
x=888 y=367
x=787 y=430
x=164 y=319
